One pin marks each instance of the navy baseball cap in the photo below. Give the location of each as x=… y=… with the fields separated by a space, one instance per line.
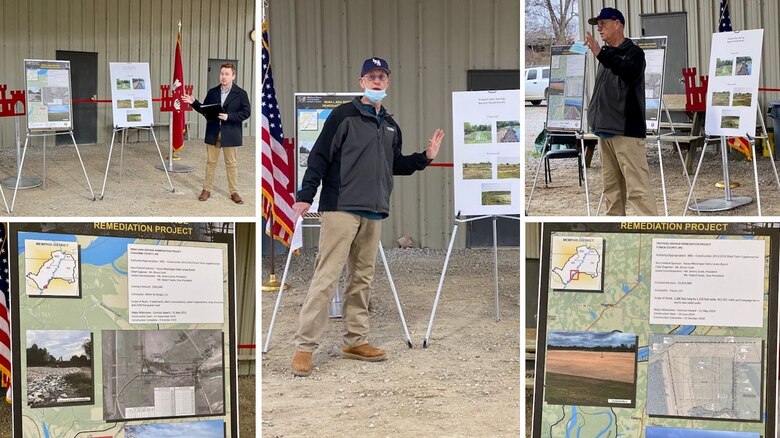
x=608 y=14
x=372 y=63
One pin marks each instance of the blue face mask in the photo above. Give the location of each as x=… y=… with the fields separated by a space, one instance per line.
x=374 y=96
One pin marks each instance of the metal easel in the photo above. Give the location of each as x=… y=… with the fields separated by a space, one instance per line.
x=458 y=221
x=44 y=134
x=122 y=154
x=298 y=229
x=729 y=202
x=547 y=143
x=657 y=134
x=25 y=182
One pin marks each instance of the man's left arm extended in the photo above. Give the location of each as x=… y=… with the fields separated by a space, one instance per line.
x=408 y=164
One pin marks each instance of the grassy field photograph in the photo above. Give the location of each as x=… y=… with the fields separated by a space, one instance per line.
x=473 y=134
x=496 y=194
x=742 y=99
x=591 y=369
x=478 y=170
x=724 y=67
x=744 y=66
x=508 y=167
x=721 y=98
x=729 y=122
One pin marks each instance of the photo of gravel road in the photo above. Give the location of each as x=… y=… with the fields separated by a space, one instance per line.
x=59 y=368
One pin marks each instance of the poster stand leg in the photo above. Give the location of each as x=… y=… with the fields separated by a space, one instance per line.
x=663 y=179
x=108 y=162
x=162 y=161
x=718 y=204
x=769 y=146
x=278 y=303
x=44 y=162
x=395 y=296
x=26 y=182
x=84 y=169
x=536 y=175
x=5 y=202
x=584 y=170
x=458 y=221
x=122 y=155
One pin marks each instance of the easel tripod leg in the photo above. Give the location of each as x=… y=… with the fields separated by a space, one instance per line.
x=89 y=184
x=395 y=296
x=278 y=301
x=108 y=163
x=19 y=172
x=495 y=265
x=695 y=176
x=159 y=152
x=441 y=284
x=536 y=178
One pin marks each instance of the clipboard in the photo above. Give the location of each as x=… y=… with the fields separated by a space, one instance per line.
x=212 y=111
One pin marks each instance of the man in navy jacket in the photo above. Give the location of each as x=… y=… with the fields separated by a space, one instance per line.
x=225 y=132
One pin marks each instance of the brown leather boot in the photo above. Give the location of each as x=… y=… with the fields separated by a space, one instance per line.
x=204 y=195
x=301 y=363
x=364 y=352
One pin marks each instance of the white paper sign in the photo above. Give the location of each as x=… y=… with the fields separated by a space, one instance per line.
x=732 y=91
x=174 y=285
x=707 y=282
x=487 y=152
x=131 y=94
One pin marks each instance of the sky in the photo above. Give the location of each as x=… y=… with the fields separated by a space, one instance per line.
x=64 y=343
x=191 y=429
x=589 y=339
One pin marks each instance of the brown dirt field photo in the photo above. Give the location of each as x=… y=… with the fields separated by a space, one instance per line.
x=613 y=366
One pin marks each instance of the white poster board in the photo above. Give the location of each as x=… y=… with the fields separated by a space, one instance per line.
x=566 y=92
x=131 y=94
x=487 y=151
x=311 y=111
x=48 y=94
x=655 y=66
x=732 y=92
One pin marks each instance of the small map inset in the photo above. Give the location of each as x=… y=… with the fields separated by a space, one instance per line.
x=705 y=377
x=577 y=263
x=307 y=121
x=52 y=268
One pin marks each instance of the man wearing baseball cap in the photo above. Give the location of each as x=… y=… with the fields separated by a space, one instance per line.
x=616 y=114
x=355 y=158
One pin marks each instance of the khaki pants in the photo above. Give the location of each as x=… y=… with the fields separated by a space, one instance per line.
x=230 y=165
x=626 y=176
x=344 y=238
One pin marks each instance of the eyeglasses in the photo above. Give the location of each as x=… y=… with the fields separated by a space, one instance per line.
x=373 y=77
x=603 y=24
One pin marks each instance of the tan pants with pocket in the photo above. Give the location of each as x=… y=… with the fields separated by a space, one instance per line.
x=230 y=166
x=626 y=176
x=345 y=238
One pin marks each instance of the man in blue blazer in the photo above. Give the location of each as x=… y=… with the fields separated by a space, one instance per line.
x=224 y=132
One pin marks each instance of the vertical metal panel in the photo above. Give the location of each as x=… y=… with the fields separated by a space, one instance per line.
x=533 y=240
x=703 y=18
x=129 y=31
x=246 y=293
x=319 y=45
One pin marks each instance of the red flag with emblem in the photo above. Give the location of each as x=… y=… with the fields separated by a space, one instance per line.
x=177 y=87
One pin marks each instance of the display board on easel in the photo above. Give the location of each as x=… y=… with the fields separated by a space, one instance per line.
x=732 y=91
x=486 y=151
x=655 y=66
x=311 y=111
x=131 y=94
x=640 y=332
x=111 y=338
x=48 y=95
x=566 y=92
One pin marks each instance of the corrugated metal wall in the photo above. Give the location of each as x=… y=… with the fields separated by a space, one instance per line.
x=320 y=45
x=246 y=292
x=703 y=18
x=129 y=31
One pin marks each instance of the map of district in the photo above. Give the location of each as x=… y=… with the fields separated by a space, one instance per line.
x=162 y=373
x=705 y=377
x=52 y=268
x=577 y=263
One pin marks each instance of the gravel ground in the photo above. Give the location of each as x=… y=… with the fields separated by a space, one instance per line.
x=564 y=197
x=246 y=406
x=464 y=384
x=143 y=191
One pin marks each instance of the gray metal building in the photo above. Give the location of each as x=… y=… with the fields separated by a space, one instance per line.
x=431 y=45
x=697 y=21
x=93 y=33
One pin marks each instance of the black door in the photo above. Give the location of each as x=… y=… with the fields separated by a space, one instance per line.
x=83 y=80
x=480 y=233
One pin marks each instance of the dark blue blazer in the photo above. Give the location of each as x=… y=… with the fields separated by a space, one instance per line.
x=238 y=109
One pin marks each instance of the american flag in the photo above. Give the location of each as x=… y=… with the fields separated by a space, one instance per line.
x=5 y=326
x=276 y=170
x=725 y=18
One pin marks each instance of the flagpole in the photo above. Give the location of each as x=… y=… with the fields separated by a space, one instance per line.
x=273 y=284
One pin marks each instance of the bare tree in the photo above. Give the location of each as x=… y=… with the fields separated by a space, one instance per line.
x=555 y=19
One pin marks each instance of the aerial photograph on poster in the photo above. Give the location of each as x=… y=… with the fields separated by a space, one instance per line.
x=162 y=373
